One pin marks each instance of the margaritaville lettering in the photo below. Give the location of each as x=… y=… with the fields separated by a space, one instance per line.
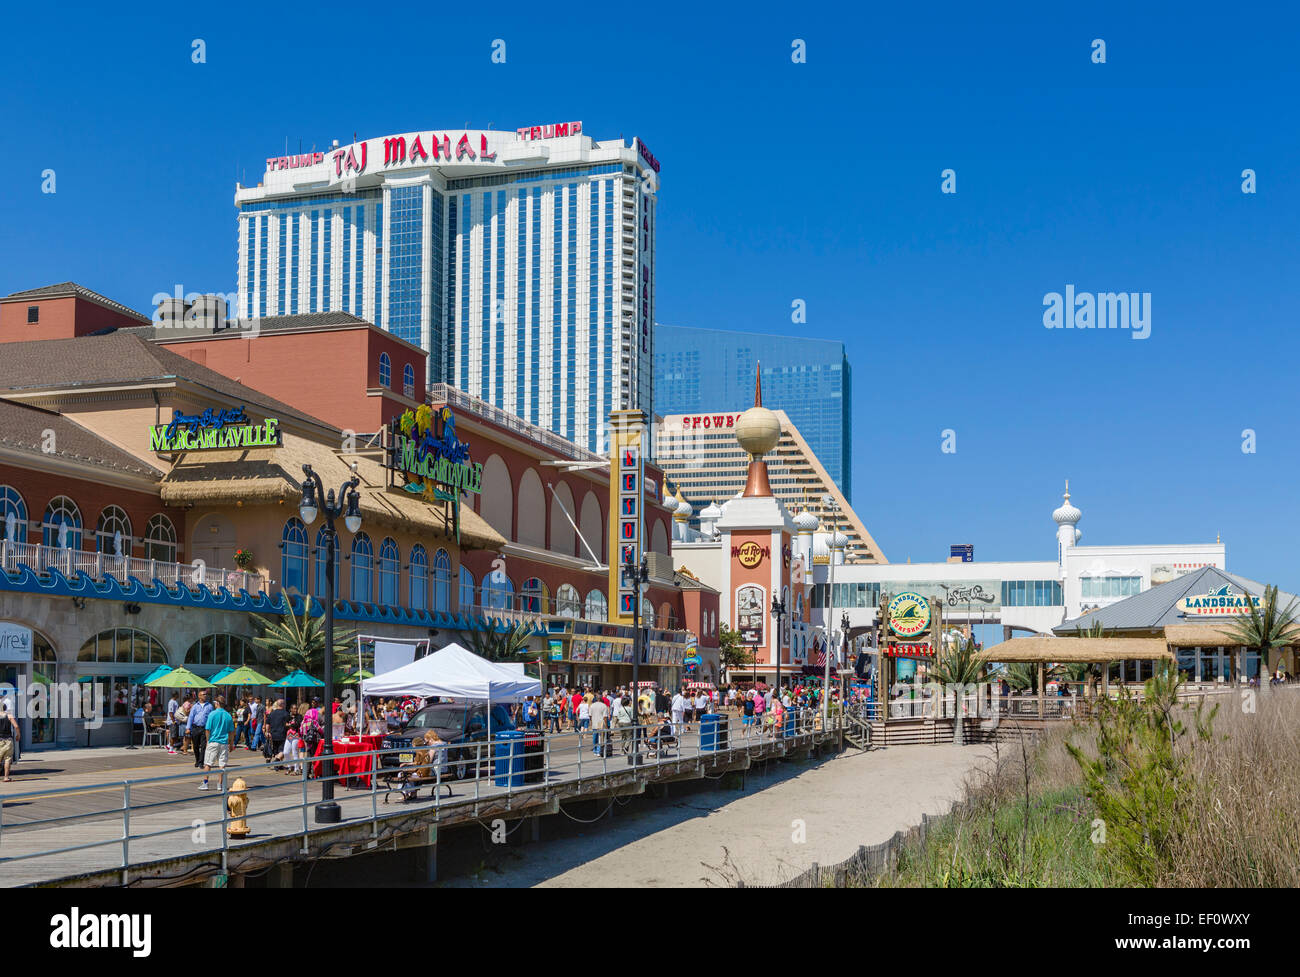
x=425 y=447
x=182 y=434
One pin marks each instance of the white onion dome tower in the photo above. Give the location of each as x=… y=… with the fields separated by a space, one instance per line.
x=839 y=545
x=669 y=500
x=805 y=524
x=1067 y=535
x=709 y=516
x=757 y=432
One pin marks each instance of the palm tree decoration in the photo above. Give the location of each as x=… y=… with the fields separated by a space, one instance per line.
x=1022 y=676
x=504 y=646
x=1086 y=671
x=960 y=664
x=1266 y=629
x=301 y=643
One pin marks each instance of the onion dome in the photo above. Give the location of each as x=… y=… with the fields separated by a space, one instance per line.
x=838 y=540
x=806 y=522
x=682 y=509
x=1067 y=514
x=711 y=511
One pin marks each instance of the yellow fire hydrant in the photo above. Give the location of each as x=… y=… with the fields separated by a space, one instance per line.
x=237 y=807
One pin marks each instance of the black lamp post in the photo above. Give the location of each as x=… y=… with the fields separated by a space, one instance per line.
x=345 y=504
x=778 y=612
x=639 y=578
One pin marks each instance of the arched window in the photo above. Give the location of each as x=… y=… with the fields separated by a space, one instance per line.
x=408 y=380
x=223 y=649
x=597 y=606
x=666 y=617
x=385 y=370
x=123 y=646
x=568 y=603
x=419 y=578
x=13 y=515
x=62 y=524
x=388 y=572
x=442 y=582
x=322 y=555
x=160 y=539
x=465 y=599
x=293 y=556
x=498 y=591
x=534 y=597
x=363 y=562
x=113 y=532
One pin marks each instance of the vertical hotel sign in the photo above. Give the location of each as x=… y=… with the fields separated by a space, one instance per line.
x=627 y=498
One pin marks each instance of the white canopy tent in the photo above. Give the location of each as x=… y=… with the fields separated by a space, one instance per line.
x=455 y=673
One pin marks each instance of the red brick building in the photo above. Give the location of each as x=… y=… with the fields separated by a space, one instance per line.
x=62 y=311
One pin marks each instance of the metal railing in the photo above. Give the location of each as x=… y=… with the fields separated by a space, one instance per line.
x=517 y=763
x=442 y=393
x=102 y=566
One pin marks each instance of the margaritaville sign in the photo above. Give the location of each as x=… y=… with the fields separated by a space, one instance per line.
x=1218 y=603
x=212 y=430
x=425 y=449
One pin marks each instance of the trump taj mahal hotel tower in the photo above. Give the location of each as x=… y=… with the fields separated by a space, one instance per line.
x=522 y=262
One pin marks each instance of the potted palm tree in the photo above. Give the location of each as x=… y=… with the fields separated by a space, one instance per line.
x=1267 y=628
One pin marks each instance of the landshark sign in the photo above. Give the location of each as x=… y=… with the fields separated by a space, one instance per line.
x=909 y=614
x=1222 y=602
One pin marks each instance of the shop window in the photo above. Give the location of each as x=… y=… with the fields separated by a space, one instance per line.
x=318 y=588
x=13 y=515
x=293 y=556
x=442 y=582
x=389 y=558
x=385 y=370
x=568 y=601
x=113 y=532
x=160 y=539
x=498 y=591
x=123 y=646
x=363 y=564
x=62 y=524
x=597 y=606
x=222 y=650
x=419 y=576
x=466 y=596
x=534 y=597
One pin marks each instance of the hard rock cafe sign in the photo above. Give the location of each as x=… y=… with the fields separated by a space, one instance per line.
x=749 y=554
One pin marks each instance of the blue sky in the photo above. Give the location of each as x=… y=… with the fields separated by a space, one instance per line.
x=816 y=181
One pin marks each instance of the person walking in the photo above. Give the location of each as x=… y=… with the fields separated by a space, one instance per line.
x=196 y=726
x=599 y=716
x=277 y=728
x=679 y=713
x=218 y=726
x=242 y=729
x=172 y=705
x=257 y=722
x=8 y=737
x=623 y=719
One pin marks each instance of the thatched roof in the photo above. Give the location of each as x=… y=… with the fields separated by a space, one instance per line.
x=259 y=476
x=1192 y=635
x=1041 y=648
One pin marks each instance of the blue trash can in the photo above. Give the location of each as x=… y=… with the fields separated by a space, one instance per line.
x=791 y=727
x=509 y=771
x=709 y=729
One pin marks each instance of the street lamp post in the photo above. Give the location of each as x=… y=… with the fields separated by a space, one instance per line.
x=345 y=504
x=639 y=578
x=833 y=506
x=778 y=612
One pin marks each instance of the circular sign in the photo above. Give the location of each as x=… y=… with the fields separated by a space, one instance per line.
x=909 y=614
x=751 y=555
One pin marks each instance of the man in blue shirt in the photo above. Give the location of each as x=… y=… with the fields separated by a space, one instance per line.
x=196 y=726
x=219 y=727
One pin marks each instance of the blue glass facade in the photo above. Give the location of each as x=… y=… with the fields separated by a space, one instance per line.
x=405 y=263
x=698 y=370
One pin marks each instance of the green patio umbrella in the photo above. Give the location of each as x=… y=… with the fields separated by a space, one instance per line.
x=180 y=678
x=298 y=679
x=219 y=678
x=245 y=676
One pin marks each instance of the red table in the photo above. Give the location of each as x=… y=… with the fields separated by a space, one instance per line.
x=346 y=765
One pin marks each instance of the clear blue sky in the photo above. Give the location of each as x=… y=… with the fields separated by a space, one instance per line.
x=817 y=181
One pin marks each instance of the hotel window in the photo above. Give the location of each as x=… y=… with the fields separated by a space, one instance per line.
x=160 y=539
x=442 y=581
x=62 y=524
x=466 y=595
x=597 y=606
x=363 y=562
x=385 y=370
x=1032 y=593
x=318 y=588
x=408 y=380
x=113 y=533
x=419 y=577
x=389 y=558
x=13 y=515
x=293 y=558
x=33 y=314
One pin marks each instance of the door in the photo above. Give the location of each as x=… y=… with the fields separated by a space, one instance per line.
x=213 y=542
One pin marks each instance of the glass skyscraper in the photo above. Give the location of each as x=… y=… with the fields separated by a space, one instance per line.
x=523 y=261
x=701 y=370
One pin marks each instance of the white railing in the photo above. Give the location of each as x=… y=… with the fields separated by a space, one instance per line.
x=442 y=393
x=102 y=566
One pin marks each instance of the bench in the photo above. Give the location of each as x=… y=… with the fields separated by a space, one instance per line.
x=404 y=781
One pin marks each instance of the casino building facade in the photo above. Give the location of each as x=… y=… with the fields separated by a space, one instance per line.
x=522 y=262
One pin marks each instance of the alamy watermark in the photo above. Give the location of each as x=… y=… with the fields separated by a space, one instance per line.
x=1103 y=310
x=56 y=700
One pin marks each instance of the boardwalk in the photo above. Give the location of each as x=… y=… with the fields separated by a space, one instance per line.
x=70 y=798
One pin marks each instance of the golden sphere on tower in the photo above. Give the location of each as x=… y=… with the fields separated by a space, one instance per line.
x=758 y=431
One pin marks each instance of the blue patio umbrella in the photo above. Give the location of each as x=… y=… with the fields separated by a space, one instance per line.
x=159 y=671
x=298 y=679
x=216 y=679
